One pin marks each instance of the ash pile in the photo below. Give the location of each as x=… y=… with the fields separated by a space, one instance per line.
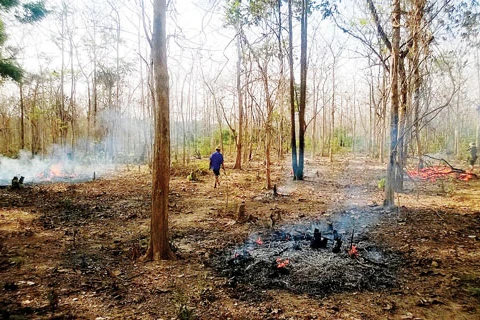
x=316 y=257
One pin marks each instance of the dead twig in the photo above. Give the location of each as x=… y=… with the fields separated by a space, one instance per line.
x=438 y=214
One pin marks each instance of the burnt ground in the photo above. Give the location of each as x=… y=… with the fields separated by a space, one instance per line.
x=70 y=251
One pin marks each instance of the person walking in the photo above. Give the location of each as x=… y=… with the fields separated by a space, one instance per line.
x=216 y=162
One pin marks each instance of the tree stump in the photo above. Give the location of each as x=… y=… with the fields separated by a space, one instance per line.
x=17 y=183
x=241 y=217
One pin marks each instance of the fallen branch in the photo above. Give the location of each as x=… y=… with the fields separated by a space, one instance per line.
x=433 y=172
x=446 y=162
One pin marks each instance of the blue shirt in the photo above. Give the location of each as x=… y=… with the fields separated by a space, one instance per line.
x=216 y=160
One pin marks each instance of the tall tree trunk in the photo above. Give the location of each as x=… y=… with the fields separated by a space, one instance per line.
x=34 y=123
x=354 y=129
x=159 y=247
x=402 y=120
x=94 y=84
x=268 y=128
x=61 y=105
x=71 y=108
x=184 y=124
x=390 y=180
x=416 y=78
x=239 y=138
x=22 y=117
x=324 y=124
x=371 y=127
x=383 y=122
x=293 y=138
x=282 y=83
x=332 y=120
x=303 y=90
x=314 y=120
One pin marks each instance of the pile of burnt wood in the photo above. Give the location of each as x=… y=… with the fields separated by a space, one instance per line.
x=313 y=257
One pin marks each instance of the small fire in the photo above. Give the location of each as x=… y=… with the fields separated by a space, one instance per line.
x=466 y=176
x=55 y=171
x=434 y=173
x=259 y=241
x=353 y=252
x=282 y=264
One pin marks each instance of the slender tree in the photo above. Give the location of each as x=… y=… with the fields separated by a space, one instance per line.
x=159 y=246
x=303 y=90
x=239 y=137
x=389 y=200
x=293 y=135
x=298 y=159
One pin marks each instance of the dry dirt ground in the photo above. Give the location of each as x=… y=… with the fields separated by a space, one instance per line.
x=70 y=251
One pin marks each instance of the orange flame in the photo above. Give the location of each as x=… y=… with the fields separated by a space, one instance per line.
x=56 y=169
x=466 y=176
x=437 y=172
x=353 y=252
x=282 y=264
x=259 y=241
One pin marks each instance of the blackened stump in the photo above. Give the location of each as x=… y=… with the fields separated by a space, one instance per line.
x=318 y=241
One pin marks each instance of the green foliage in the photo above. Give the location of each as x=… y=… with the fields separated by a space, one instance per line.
x=381 y=184
x=9 y=69
x=198 y=168
x=202 y=166
x=192 y=176
x=342 y=141
x=471 y=282
x=7 y=4
x=232 y=12
x=327 y=8
x=250 y=13
x=31 y=12
x=186 y=313
x=474 y=291
x=227 y=137
x=260 y=9
x=205 y=144
x=202 y=145
x=363 y=22
x=28 y=13
x=3 y=36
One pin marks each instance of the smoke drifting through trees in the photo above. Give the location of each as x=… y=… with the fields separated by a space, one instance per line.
x=98 y=101
x=126 y=141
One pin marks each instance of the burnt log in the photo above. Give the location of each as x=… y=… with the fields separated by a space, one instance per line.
x=318 y=241
x=17 y=183
x=337 y=245
x=337 y=242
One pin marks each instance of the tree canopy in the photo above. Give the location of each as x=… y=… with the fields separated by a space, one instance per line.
x=25 y=13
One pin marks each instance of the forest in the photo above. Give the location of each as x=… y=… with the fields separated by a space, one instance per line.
x=348 y=131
